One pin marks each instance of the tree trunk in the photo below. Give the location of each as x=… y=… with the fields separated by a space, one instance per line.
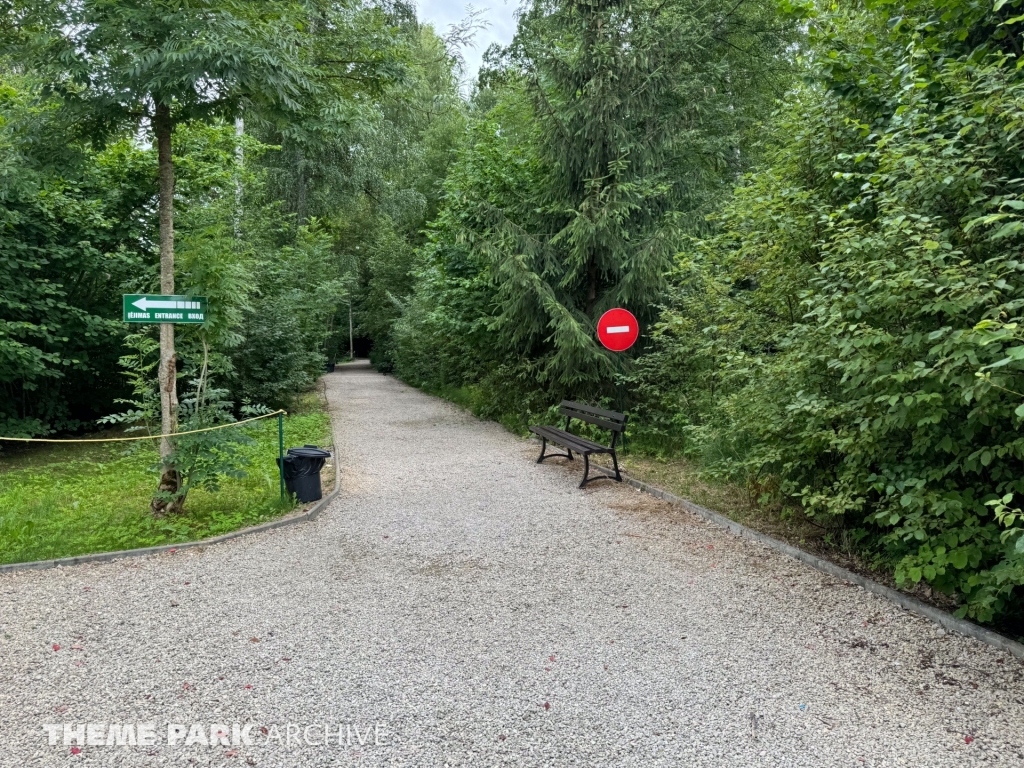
x=170 y=481
x=239 y=162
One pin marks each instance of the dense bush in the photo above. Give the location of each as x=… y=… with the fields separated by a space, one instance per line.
x=850 y=337
x=273 y=363
x=74 y=235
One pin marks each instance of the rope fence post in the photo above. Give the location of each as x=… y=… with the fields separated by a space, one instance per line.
x=280 y=450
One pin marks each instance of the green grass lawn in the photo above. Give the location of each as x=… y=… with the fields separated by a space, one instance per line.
x=72 y=499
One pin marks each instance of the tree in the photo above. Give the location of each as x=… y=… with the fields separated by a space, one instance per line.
x=160 y=63
x=630 y=115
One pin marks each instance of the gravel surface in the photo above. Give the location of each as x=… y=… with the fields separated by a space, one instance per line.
x=480 y=610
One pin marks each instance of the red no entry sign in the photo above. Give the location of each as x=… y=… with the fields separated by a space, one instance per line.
x=618 y=329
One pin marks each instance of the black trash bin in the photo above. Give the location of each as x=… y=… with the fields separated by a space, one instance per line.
x=302 y=472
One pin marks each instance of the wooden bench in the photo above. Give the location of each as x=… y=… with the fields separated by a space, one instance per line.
x=609 y=420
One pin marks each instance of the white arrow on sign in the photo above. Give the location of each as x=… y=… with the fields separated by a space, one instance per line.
x=146 y=304
x=617 y=329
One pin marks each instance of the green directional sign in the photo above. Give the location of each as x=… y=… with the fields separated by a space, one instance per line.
x=155 y=308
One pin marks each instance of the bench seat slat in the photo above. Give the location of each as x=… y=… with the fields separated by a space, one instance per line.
x=569 y=440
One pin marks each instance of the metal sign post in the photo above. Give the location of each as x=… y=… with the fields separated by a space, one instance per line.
x=280 y=450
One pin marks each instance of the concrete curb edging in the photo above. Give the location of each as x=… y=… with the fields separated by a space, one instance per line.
x=103 y=557
x=945 y=620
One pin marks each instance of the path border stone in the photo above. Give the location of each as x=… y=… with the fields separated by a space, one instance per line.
x=946 y=620
x=104 y=557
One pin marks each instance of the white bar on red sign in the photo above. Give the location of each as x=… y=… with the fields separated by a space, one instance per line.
x=617 y=329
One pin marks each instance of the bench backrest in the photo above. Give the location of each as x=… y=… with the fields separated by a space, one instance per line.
x=610 y=420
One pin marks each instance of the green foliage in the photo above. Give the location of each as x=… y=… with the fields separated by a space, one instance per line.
x=849 y=335
x=608 y=128
x=287 y=326
x=213 y=451
x=408 y=144
x=114 y=63
x=205 y=459
x=138 y=368
x=93 y=498
x=74 y=229
x=350 y=113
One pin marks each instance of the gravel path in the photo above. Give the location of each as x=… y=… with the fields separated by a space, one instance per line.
x=480 y=610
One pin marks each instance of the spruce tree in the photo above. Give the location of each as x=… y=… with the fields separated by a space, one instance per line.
x=638 y=108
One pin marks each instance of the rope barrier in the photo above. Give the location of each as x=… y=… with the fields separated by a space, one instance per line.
x=146 y=437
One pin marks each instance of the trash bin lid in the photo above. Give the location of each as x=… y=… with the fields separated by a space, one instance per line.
x=309 y=452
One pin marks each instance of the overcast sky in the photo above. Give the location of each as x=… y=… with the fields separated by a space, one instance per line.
x=500 y=15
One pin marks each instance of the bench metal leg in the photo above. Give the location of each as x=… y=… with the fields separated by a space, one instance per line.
x=586 y=469
x=544 y=447
x=602 y=475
